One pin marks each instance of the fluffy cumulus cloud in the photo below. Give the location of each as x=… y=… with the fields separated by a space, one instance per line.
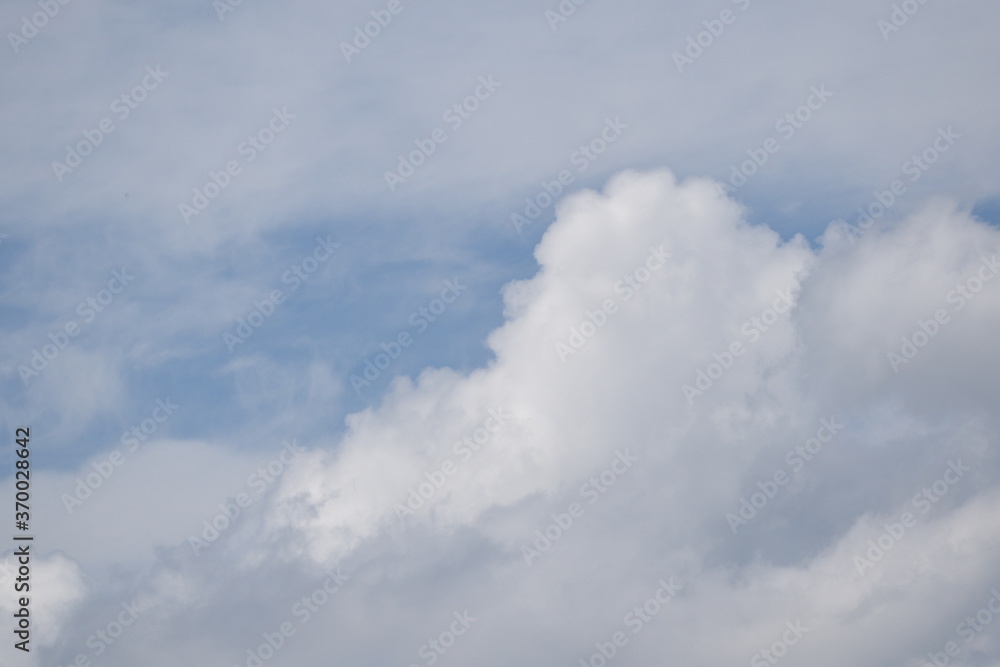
x=695 y=442
x=337 y=348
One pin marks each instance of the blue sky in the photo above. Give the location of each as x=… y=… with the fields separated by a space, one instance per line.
x=175 y=165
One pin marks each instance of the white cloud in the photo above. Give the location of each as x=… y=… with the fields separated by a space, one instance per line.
x=665 y=515
x=740 y=341
x=55 y=589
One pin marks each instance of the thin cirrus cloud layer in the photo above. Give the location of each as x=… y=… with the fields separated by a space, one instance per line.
x=573 y=333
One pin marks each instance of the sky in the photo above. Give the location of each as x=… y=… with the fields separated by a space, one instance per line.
x=538 y=333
